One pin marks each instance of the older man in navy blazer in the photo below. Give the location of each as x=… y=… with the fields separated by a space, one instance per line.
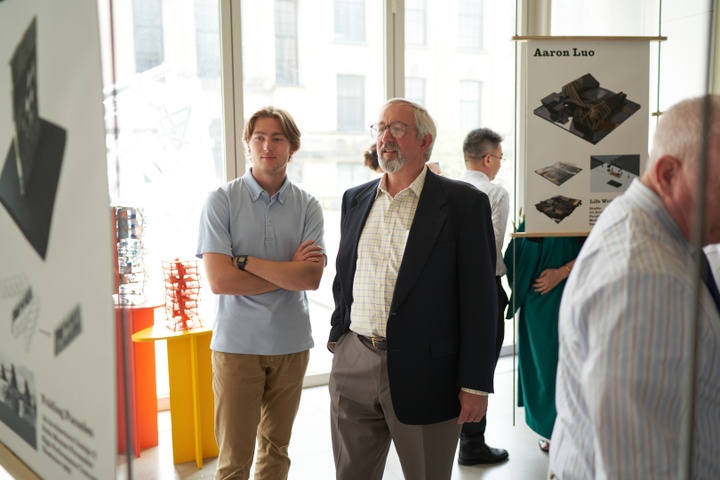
x=413 y=330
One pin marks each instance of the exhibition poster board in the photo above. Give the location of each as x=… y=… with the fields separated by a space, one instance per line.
x=57 y=354
x=583 y=128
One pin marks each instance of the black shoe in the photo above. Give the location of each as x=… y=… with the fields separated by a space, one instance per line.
x=481 y=453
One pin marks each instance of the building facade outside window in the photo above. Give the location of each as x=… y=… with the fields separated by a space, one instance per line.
x=286 y=42
x=207 y=39
x=415 y=90
x=148 y=34
x=349 y=20
x=415 y=23
x=350 y=103
x=470 y=24
x=469 y=104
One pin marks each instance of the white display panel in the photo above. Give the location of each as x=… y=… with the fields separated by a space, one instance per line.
x=584 y=128
x=57 y=348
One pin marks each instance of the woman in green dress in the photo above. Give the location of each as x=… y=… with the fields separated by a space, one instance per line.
x=537 y=270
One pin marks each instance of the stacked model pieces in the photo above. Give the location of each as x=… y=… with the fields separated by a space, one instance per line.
x=129 y=224
x=182 y=293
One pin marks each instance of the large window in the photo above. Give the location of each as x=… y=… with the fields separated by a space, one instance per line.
x=167 y=152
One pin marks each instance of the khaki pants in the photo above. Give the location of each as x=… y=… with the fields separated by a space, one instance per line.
x=256 y=396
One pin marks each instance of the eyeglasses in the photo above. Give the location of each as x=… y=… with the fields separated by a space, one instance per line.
x=501 y=158
x=397 y=130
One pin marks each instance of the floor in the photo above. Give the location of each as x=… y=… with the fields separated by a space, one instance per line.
x=311 y=452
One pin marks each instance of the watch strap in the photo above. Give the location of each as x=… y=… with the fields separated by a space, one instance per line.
x=241 y=261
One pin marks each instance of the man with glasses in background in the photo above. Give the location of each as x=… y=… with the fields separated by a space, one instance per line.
x=483 y=154
x=414 y=326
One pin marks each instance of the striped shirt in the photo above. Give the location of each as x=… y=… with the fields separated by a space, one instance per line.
x=623 y=359
x=712 y=252
x=380 y=252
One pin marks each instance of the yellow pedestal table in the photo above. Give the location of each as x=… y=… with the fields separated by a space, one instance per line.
x=191 y=396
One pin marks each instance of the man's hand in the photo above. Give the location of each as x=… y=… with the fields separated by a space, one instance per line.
x=472 y=407
x=308 y=252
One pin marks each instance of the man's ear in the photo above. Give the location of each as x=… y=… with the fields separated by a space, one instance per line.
x=427 y=141
x=666 y=169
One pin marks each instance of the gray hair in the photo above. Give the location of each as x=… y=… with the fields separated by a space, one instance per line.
x=480 y=142
x=424 y=124
x=681 y=129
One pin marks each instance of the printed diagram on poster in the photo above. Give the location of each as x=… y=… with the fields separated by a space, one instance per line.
x=18 y=402
x=613 y=173
x=558 y=207
x=584 y=128
x=29 y=179
x=559 y=172
x=595 y=111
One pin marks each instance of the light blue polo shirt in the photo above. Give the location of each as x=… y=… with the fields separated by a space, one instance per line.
x=240 y=218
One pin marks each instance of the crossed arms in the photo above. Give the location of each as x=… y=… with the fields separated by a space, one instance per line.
x=303 y=272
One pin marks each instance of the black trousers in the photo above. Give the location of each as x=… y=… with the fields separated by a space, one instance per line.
x=474 y=433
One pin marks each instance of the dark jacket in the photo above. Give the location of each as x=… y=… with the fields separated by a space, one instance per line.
x=443 y=315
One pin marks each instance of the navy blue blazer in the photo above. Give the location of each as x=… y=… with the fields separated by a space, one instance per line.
x=443 y=315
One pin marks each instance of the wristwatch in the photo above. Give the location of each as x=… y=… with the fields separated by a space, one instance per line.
x=241 y=261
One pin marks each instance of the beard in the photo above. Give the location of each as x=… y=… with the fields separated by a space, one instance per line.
x=391 y=166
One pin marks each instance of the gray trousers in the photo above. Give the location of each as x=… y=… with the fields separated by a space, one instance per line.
x=363 y=421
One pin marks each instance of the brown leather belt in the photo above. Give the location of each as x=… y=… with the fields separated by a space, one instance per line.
x=376 y=343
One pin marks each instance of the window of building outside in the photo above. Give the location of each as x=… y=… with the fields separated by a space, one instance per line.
x=147 y=33
x=415 y=90
x=349 y=20
x=169 y=149
x=207 y=39
x=416 y=22
x=470 y=24
x=351 y=103
x=286 y=41
x=469 y=107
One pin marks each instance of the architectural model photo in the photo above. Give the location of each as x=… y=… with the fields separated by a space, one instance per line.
x=29 y=177
x=613 y=173
x=559 y=172
x=18 y=403
x=586 y=109
x=558 y=207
